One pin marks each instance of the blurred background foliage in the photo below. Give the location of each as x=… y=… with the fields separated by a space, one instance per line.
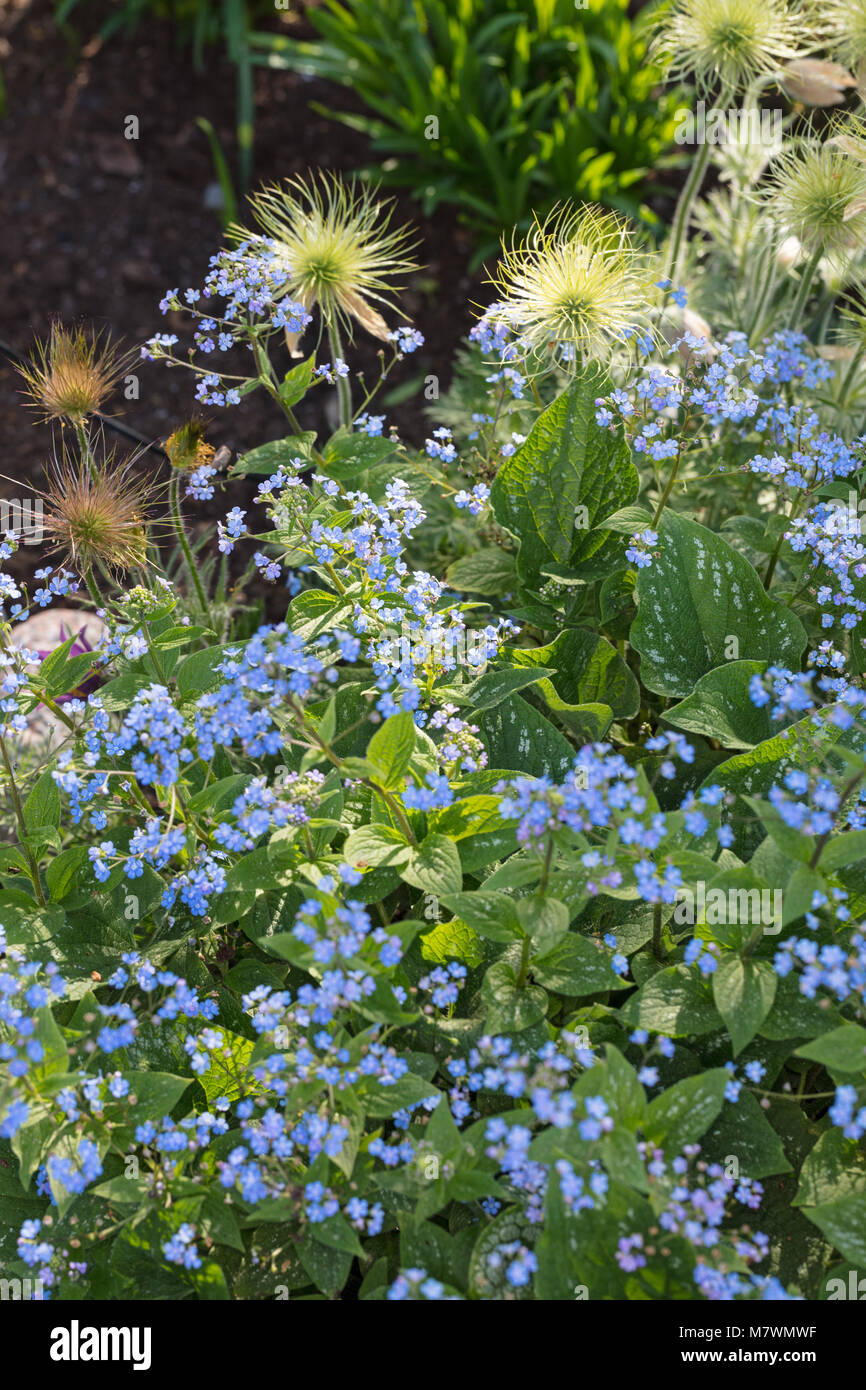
x=503 y=108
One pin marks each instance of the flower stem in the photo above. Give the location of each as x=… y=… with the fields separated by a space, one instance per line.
x=32 y=865
x=774 y=558
x=765 y=295
x=395 y=808
x=344 y=390
x=850 y=378
x=691 y=189
x=93 y=589
x=753 y=941
x=657 y=932
x=180 y=532
x=799 y=305
x=683 y=213
x=84 y=445
x=545 y=872
x=57 y=710
x=670 y=483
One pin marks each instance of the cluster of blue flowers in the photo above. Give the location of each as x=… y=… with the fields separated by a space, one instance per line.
x=444 y=983
x=76 y=1176
x=501 y=346
x=14 y=602
x=277 y=1130
x=749 y=391
x=27 y=988
x=719 y=385
x=604 y=792
x=840 y=969
x=254 y=281
x=693 y=1202
x=181 y=1249
x=417 y=1286
x=395 y=600
x=830 y=534
x=343 y=933
x=152 y=732
x=642 y=547
x=441 y=446
x=272 y=671
x=847 y=1112
x=39 y=1252
x=497 y=1064
x=262 y=808
x=408 y=340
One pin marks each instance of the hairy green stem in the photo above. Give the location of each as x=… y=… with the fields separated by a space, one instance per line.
x=395 y=808
x=657 y=932
x=84 y=445
x=688 y=197
x=93 y=589
x=344 y=390
x=545 y=872
x=806 y=278
x=850 y=378
x=769 y=284
x=753 y=941
x=268 y=380
x=180 y=532
x=32 y=865
x=671 y=480
x=683 y=213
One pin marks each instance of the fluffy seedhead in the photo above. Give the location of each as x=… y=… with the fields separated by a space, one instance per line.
x=818 y=194
x=336 y=241
x=578 y=282
x=729 y=43
x=96 y=512
x=72 y=374
x=843 y=24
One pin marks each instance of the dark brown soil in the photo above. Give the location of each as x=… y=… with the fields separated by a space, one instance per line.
x=96 y=227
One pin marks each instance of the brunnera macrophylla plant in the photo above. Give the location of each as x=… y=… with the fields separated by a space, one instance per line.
x=491 y=924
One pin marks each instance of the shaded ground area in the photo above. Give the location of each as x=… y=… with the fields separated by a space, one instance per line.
x=96 y=227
